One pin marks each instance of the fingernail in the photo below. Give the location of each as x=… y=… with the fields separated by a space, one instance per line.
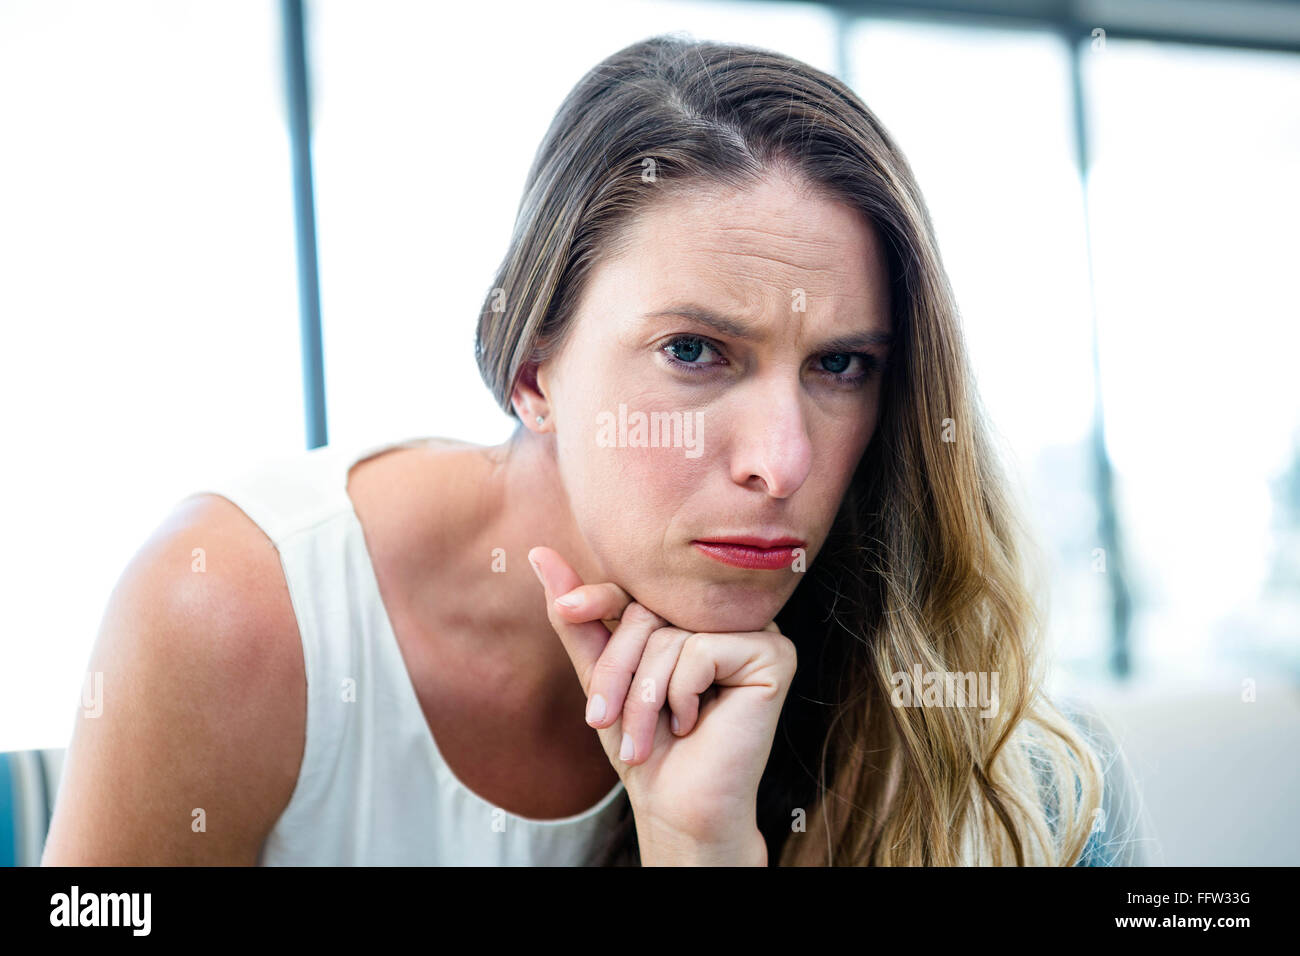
x=538 y=571
x=567 y=600
x=629 y=750
x=676 y=726
x=595 y=708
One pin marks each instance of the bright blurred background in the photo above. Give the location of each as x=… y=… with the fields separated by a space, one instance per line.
x=1115 y=186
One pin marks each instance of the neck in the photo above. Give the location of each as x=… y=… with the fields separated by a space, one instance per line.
x=511 y=498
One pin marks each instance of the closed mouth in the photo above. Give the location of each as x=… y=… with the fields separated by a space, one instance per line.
x=748 y=556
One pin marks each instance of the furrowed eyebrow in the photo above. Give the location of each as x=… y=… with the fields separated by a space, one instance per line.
x=739 y=330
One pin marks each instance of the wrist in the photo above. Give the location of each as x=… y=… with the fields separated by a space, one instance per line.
x=666 y=847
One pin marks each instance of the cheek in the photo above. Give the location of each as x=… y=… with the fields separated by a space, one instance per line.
x=632 y=502
x=837 y=481
x=842 y=457
x=844 y=444
x=629 y=456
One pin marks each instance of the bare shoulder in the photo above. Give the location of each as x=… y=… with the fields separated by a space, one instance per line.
x=390 y=493
x=409 y=466
x=198 y=739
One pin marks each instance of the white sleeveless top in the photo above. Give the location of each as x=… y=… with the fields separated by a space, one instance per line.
x=373 y=789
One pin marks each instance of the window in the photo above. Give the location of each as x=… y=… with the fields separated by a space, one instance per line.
x=422 y=143
x=1195 y=198
x=994 y=156
x=149 y=303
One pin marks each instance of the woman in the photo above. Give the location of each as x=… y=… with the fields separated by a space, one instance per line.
x=749 y=453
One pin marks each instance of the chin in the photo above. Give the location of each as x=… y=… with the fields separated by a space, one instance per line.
x=720 y=608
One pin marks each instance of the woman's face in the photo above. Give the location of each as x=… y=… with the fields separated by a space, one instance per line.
x=754 y=428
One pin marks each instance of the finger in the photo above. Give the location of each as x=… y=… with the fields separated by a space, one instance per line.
x=583 y=641
x=648 y=693
x=759 y=659
x=594 y=601
x=618 y=663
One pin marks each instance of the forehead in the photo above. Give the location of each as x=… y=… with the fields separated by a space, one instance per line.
x=752 y=248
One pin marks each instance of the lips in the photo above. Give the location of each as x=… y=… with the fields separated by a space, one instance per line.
x=753 y=541
x=747 y=551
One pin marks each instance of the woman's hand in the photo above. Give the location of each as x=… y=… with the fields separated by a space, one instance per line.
x=693 y=790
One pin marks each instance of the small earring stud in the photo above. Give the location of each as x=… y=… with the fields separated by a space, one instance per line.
x=540 y=419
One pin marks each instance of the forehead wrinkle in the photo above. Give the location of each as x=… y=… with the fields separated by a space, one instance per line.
x=811 y=231
x=748 y=236
x=846 y=255
x=799 y=239
x=734 y=280
x=814 y=270
x=803 y=235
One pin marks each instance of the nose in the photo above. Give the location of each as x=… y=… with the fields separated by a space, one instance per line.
x=771 y=450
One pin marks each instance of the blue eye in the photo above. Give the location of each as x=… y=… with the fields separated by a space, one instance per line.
x=684 y=356
x=683 y=351
x=842 y=360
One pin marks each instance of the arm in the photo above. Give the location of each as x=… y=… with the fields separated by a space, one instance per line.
x=660 y=847
x=203 y=712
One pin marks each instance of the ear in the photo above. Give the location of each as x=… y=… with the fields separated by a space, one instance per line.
x=529 y=399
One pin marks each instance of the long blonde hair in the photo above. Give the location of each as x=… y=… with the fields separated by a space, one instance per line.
x=928 y=564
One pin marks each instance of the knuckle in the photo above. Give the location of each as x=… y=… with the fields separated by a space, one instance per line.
x=696 y=643
x=788 y=651
x=645 y=696
x=606 y=669
x=694 y=647
x=614 y=595
x=660 y=641
x=617 y=593
x=640 y=614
